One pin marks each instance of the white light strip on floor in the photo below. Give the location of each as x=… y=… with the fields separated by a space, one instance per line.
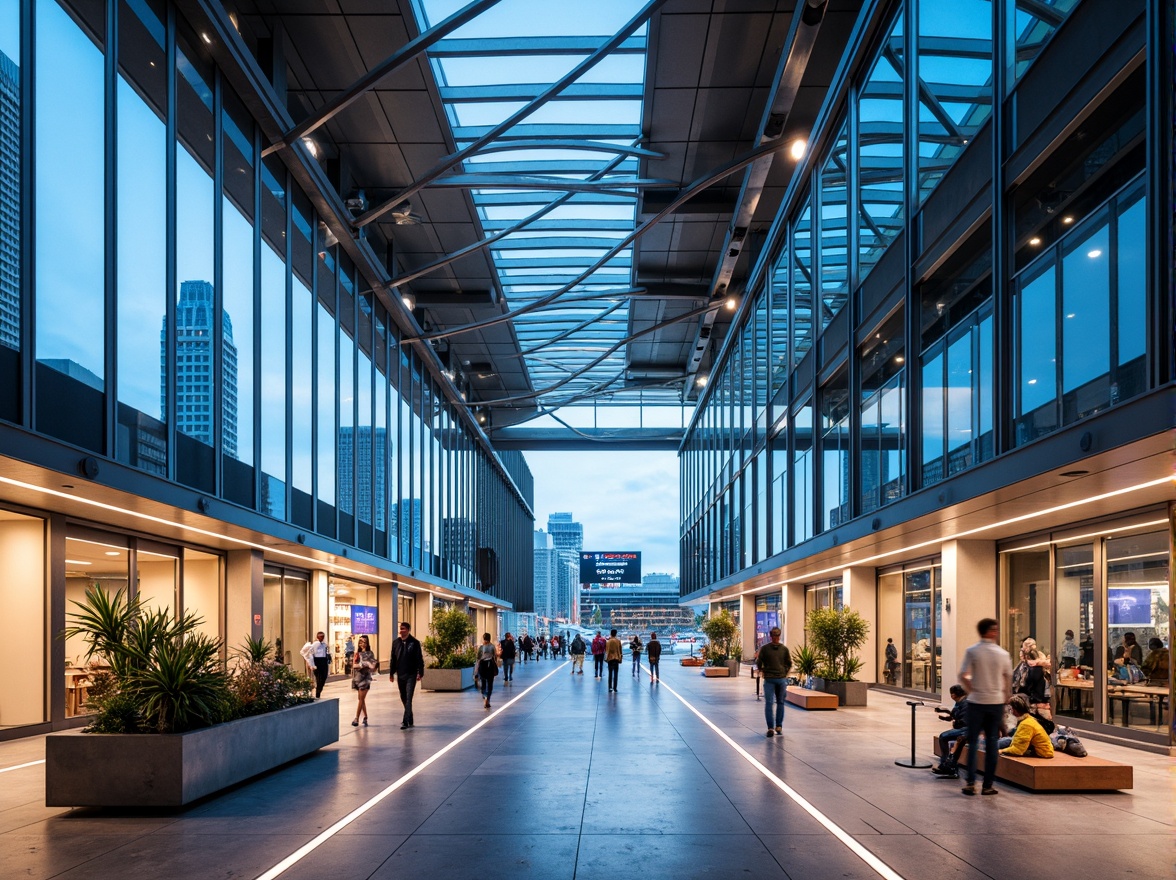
x=879 y=866
x=22 y=766
x=305 y=850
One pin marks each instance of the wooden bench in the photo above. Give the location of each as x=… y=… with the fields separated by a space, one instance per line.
x=810 y=699
x=1062 y=772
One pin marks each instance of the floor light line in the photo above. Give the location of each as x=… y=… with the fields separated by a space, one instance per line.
x=309 y=847
x=22 y=766
x=879 y=866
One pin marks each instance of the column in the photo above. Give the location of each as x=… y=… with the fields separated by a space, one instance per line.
x=970 y=589
x=860 y=592
x=244 y=578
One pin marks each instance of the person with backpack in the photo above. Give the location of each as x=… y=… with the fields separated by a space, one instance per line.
x=598 y=646
x=891 y=662
x=635 y=647
x=774 y=662
x=506 y=650
x=579 y=649
x=528 y=647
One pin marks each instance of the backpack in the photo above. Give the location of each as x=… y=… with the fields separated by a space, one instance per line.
x=1131 y=673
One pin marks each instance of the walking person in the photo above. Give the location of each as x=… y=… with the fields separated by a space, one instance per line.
x=653 y=656
x=614 y=655
x=363 y=667
x=635 y=647
x=348 y=654
x=774 y=662
x=987 y=676
x=320 y=653
x=506 y=650
x=487 y=669
x=528 y=647
x=579 y=649
x=408 y=667
x=598 y=647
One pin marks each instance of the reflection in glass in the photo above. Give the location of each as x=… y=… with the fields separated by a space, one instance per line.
x=802 y=283
x=880 y=153
x=70 y=277
x=1131 y=297
x=1030 y=26
x=1036 y=371
x=273 y=383
x=802 y=474
x=1086 y=309
x=142 y=239
x=237 y=382
x=302 y=390
x=780 y=338
x=955 y=82
x=10 y=231
x=835 y=452
x=326 y=403
x=834 y=232
x=933 y=418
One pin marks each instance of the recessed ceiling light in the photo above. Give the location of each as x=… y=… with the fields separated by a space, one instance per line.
x=78 y=562
x=1094 y=254
x=1073 y=473
x=113 y=553
x=1067 y=219
x=797 y=148
x=1035 y=241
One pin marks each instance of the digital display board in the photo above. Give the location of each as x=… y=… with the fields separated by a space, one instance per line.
x=363 y=620
x=1129 y=606
x=610 y=568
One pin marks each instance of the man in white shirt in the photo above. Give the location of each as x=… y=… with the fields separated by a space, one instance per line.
x=320 y=653
x=987 y=676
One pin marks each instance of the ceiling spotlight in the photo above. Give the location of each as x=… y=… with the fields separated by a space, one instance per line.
x=700 y=381
x=328 y=238
x=1035 y=241
x=731 y=303
x=797 y=149
x=207 y=39
x=311 y=146
x=1068 y=219
x=409 y=301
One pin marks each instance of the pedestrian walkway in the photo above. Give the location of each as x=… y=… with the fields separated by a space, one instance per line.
x=563 y=780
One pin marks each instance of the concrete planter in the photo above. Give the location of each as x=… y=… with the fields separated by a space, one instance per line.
x=849 y=693
x=448 y=679
x=170 y=770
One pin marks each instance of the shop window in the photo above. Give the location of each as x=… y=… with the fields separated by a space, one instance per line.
x=22 y=595
x=92 y=560
x=767 y=616
x=201 y=591
x=910 y=617
x=285 y=613
x=353 y=611
x=1074 y=632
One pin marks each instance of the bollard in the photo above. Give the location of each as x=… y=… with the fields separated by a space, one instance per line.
x=913 y=763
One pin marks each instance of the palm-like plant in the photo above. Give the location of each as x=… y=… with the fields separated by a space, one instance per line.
x=183 y=686
x=104 y=621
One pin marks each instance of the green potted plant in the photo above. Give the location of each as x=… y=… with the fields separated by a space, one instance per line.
x=805 y=663
x=722 y=634
x=450 y=646
x=213 y=725
x=836 y=635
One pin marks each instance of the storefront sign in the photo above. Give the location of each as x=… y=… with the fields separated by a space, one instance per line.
x=363 y=620
x=257 y=620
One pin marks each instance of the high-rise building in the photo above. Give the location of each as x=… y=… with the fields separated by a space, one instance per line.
x=9 y=202
x=195 y=362
x=556 y=579
x=566 y=533
x=355 y=457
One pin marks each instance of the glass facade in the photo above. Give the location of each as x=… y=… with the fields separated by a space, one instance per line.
x=852 y=255
x=200 y=324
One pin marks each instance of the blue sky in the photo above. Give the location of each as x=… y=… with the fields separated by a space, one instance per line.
x=626 y=500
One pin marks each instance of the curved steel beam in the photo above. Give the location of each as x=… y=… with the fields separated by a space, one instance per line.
x=401 y=56
x=692 y=190
x=567 y=79
x=570 y=144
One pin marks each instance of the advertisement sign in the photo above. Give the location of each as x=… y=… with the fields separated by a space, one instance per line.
x=610 y=568
x=363 y=620
x=1129 y=606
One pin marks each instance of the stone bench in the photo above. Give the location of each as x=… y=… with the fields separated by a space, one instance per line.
x=1062 y=772
x=810 y=699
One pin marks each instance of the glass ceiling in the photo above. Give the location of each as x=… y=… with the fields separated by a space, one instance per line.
x=551 y=236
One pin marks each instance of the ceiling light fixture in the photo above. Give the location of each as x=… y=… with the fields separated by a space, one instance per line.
x=732 y=303
x=797 y=149
x=700 y=381
x=311 y=146
x=409 y=301
x=1035 y=241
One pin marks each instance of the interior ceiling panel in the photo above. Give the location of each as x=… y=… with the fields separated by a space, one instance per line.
x=692 y=84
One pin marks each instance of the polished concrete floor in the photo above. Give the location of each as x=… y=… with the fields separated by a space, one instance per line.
x=568 y=781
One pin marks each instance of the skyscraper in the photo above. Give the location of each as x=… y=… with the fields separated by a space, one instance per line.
x=556 y=579
x=195 y=361
x=9 y=202
x=566 y=534
x=362 y=449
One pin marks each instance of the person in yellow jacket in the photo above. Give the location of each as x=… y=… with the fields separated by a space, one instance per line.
x=1030 y=738
x=613 y=654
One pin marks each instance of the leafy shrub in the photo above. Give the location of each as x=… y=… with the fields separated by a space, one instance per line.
x=449 y=645
x=722 y=633
x=166 y=676
x=836 y=634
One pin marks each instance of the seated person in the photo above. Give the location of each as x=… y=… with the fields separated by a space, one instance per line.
x=922 y=649
x=1031 y=738
x=1155 y=665
x=952 y=742
x=1129 y=650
